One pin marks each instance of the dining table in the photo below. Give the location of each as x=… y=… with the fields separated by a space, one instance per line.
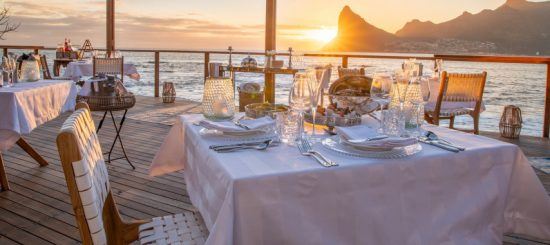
x=278 y=196
x=85 y=68
x=27 y=105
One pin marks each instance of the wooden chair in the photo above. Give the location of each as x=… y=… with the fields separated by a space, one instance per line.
x=95 y=210
x=343 y=72
x=459 y=94
x=109 y=66
x=46 y=70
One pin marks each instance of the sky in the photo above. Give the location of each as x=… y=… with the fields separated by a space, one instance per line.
x=215 y=24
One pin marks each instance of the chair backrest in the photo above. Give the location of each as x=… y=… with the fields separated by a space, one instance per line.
x=109 y=66
x=343 y=72
x=44 y=67
x=86 y=175
x=458 y=87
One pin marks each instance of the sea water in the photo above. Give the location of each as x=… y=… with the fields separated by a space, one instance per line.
x=507 y=84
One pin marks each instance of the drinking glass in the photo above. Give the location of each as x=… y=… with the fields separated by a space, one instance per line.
x=392 y=122
x=288 y=126
x=6 y=66
x=299 y=97
x=401 y=86
x=315 y=85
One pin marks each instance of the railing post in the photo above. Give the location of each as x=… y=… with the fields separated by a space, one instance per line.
x=206 y=65
x=5 y=51
x=344 y=62
x=546 y=130
x=35 y=51
x=157 y=73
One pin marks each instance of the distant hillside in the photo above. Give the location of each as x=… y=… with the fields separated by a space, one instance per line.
x=517 y=27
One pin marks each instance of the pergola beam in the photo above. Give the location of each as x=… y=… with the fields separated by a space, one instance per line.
x=270 y=44
x=110 y=45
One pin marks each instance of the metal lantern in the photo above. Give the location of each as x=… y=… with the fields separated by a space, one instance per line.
x=218 y=101
x=510 y=122
x=249 y=62
x=168 y=92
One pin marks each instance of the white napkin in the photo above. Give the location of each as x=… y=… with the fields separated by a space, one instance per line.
x=230 y=126
x=362 y=132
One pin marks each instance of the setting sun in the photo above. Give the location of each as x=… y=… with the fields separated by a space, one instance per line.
x=324 y=35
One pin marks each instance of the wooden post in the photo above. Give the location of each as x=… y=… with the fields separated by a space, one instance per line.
x=546 y=130
x=5 y=51
x=157 y=73
x=35 y=51
x=270 y=44
x=110 y=26
x=206 y=65
x=344 y=62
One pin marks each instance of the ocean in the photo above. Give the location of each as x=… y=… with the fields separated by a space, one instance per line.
x=522 y=85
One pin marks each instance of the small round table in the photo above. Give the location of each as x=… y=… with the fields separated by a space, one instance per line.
x=108 y=104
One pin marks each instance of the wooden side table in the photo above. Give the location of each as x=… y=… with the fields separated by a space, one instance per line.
x=58 y=63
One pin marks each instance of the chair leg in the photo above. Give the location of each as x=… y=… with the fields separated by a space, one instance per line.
x=452 y=122
x=476 y=124
x=28 y=148
x=4 y=184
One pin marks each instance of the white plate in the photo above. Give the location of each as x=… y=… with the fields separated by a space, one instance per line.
x=333 y=143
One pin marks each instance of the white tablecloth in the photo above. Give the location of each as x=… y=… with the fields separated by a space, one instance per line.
x=28 y=105
x=435 y=197
x=77 y=69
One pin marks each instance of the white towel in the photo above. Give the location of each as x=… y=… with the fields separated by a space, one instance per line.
x=362 y=132
x=230 y=126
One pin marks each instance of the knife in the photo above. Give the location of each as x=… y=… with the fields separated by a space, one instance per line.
x=442 y=146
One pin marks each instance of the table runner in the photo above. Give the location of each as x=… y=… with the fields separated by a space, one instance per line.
x=434 y=197
x=28 y=105
x=78 y=69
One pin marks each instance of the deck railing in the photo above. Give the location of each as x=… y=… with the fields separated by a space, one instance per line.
x=345 y=57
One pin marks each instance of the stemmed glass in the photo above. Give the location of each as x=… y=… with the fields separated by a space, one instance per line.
x=380 y=90
x=7 y=67
x=401 y=86
x=299 y=96
x=315 y=89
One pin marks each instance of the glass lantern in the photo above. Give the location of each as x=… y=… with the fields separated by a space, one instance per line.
x=218 y=100
x=30 y=71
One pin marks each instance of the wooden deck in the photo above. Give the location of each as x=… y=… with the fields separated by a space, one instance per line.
x=38 y=211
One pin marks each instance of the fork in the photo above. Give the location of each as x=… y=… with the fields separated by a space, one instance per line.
x=303 y=151
x=309 y=148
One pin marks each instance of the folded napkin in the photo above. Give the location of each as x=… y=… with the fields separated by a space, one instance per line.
x=230 y=126
x=362 y=132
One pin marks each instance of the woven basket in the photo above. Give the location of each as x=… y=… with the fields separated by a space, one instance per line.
x=168 y=92
x=250 y=96
x=108 y=102
x=511 y=122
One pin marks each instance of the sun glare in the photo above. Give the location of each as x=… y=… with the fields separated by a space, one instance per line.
x=322 y=35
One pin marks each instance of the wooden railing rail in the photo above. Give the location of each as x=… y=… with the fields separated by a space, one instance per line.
x=345 y=58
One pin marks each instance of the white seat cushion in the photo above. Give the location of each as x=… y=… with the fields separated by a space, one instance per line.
x=449 y=108
x=173 y=229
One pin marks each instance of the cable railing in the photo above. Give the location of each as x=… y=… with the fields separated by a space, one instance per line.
x=345 y=58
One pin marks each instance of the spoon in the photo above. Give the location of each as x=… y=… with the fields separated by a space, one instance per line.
x=433 y=137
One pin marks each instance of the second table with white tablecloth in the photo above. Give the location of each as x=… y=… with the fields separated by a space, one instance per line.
x=77 y=69
x=278 y=196
x=28 y=105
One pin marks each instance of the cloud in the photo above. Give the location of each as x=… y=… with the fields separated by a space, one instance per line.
x=43 y=25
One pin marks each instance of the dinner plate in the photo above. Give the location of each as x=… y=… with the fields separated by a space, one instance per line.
x=333 y=143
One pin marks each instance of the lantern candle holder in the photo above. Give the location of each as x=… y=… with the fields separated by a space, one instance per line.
x=511 y=122
x=168 y=92
x=218 y=101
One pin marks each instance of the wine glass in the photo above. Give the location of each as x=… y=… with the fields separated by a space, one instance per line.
x=380 y=90
x=6 y=66
x=315 y=91
x=402 y=84
x=13 y=71
x=299 y=96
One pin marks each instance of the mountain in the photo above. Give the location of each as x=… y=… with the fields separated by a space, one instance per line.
x=356 y=34
x=516 y=27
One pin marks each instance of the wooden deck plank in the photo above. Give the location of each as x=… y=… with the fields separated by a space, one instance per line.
x=38 y=209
